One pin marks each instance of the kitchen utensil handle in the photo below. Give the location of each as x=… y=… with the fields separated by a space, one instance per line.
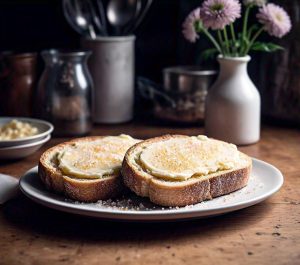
x=100 y=6
x=138 y=9
x=150 y=90
x=141 y=17
x=90 y=27
x=92 y=32
x=65 y=4
x=95 y=18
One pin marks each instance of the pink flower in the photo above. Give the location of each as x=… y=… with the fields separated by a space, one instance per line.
x=275 y=19
x=216 y=14
x=189 y=25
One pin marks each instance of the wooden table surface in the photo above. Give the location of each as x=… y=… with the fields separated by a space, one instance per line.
x=267 y=233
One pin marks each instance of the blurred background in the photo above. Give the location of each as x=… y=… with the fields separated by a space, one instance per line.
x=35 y=25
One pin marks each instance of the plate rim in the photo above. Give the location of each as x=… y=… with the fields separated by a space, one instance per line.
x=167 y=214
x=23 y=146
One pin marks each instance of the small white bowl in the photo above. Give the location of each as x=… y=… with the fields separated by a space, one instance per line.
x=44 y=128
x=21 y=151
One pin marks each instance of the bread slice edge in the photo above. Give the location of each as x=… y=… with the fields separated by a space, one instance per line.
x=83 y=190
x=182 y=193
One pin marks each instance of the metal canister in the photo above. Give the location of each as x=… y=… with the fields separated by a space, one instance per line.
x=18 y=76
x=112 y=69
x=187 y=87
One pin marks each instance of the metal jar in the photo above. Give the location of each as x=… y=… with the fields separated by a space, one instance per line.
x=186 y=87
x=18 y=76
x=112 y=69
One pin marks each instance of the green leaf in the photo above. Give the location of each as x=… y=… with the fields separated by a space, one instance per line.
x=266 y=47
x=209 y=53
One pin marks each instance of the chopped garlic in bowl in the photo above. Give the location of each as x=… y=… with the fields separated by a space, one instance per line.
x=17 y=130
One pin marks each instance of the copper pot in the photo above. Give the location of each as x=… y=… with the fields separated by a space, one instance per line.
x=18 y=75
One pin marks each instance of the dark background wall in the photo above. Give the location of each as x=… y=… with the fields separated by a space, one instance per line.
x=34 y=25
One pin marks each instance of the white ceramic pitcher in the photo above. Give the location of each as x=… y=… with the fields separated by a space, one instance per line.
x=233 y=104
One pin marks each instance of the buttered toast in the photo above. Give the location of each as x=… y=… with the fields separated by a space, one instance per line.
x=86 y=169
x=178 y=170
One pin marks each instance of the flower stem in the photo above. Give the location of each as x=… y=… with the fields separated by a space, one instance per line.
x=221 y=42
x=212 y=39
x=233 y=38
x=226 y=40
x=249 y=34
x=232 y=32
x=245 y=27
x=246 y=18
x=256 y=35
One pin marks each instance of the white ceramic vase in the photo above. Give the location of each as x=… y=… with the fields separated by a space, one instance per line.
x=233 y=104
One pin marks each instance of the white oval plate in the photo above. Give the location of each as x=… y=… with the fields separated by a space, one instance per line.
x=265 y=180
x=21 y=151
x=44 y=128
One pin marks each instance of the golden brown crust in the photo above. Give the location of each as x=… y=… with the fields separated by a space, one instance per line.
x=181 y=193
x=78 y=189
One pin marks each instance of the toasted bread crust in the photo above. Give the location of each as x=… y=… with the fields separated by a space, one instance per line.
x=78 y=189
x=181 y=193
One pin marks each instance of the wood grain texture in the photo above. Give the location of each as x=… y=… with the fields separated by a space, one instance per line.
x=267 y=233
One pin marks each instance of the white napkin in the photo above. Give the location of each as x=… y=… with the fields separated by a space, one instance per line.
x=9 y=187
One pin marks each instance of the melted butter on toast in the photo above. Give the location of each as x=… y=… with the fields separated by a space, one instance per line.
x=183 y=158
x=94 y=159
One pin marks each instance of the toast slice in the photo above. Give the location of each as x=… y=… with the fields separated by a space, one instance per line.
x=178 y=170
x=86 y=169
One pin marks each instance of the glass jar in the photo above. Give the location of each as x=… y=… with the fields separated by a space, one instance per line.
x=64 y=92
